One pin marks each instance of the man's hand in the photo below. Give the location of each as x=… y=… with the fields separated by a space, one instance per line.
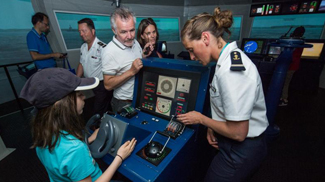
x=57 y=55
x=136 y=66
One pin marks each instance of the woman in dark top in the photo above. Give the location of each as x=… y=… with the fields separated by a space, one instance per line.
x=148 y=34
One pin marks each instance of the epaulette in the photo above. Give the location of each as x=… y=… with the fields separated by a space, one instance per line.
x=236 y=62
x=101 y=44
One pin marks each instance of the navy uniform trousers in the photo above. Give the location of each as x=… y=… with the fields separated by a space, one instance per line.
x=236 y=161
x=103 y=98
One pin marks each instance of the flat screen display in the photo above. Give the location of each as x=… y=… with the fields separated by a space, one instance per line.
x=313 y=52
x=289 y=8
x=308 y=7
x=257 y=10
x=272 y=9
x=274 y=50
x=322 y=6
x=253 y=46
x=162 y=46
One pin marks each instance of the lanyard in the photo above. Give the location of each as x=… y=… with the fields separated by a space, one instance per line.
x=223 y=49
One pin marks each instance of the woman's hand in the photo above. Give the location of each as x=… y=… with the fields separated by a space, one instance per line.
x=147 y=50
x=126 y=149
x=192 y=117
x=212 y=139
x=93 y=136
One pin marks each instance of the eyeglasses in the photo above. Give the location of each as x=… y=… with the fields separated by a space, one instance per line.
x=46 y=24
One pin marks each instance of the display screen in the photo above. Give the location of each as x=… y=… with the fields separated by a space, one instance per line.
x=274 y=50
x=322 y=6
x=272 y=9
x=253 y=46
x=164 y=93
x=290 y=8
x=313 y=52
x=162 y=46
x=308 y=7
x=257 y=10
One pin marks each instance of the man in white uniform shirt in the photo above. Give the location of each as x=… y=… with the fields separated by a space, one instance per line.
x=91 y=64
x=122 y=58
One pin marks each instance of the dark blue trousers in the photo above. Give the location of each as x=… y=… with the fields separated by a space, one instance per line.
x=236 y=161
x=103 y=99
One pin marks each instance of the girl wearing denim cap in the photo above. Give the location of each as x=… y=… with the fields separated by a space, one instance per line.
x=57 y=127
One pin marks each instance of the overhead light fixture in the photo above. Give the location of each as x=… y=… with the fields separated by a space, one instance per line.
x=117 y=3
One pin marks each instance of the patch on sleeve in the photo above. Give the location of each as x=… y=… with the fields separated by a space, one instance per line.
x=101 y=44
x=236 y=62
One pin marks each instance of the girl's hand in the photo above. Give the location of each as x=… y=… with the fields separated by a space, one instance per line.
x=93 y=136
x=126 y=149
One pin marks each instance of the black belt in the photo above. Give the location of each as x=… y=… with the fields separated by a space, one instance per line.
x=261 y=135
x=123 y=100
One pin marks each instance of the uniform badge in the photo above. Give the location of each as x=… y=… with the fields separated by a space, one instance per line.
x=236 y=62
x=101 y=44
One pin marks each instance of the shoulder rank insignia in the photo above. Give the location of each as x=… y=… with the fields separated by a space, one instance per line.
x=236 y=62
x=101 y=44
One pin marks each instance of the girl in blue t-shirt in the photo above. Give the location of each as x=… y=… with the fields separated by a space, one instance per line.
x=57 y=128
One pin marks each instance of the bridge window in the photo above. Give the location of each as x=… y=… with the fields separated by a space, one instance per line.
x=276 y=26
x=14 y=29
x=68 y=23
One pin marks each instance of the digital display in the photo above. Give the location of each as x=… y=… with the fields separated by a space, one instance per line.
x=322 y=6
x=253 y=46
x=162 y=46
x=257 y=10
x=272 y=9
x=308 y=7
x=164 y=93
x=290 y=8
x=274 y=50
x=313 y=52
x=285 y=8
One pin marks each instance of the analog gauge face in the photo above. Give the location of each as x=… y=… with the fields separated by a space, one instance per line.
x=166 y=86
x=163 y=106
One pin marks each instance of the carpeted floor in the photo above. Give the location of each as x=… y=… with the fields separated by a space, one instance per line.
x=297 y=155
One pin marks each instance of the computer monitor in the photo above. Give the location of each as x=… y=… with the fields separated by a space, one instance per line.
x=253 y=46
x=272 y=9
x=162 y=47
x=321 y=6
x=308 y=7
x=164 y=93
x=274 y=51
x=289 y=8
x=257 y=10
x=313 y=52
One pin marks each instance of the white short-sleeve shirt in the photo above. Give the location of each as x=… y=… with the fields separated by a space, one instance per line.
x=238 y=95
x=91 y=59
x=117 y=59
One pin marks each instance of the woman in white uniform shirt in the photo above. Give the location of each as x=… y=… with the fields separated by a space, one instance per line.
x=237 y=100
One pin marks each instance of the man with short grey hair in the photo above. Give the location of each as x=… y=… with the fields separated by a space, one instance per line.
x=122 y=58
